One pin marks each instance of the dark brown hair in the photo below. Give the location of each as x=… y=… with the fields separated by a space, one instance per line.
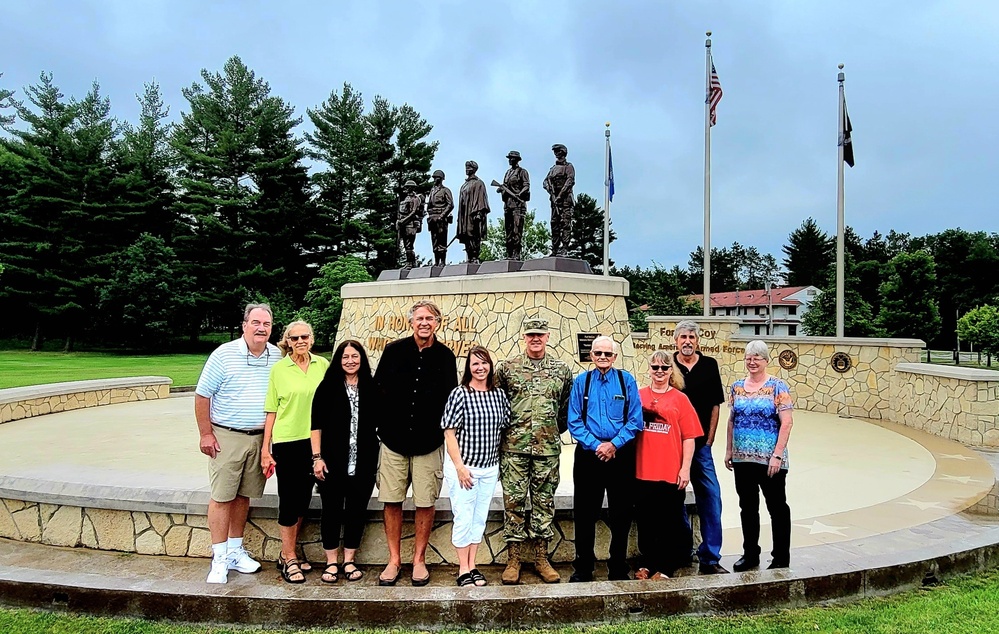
x=483 y=354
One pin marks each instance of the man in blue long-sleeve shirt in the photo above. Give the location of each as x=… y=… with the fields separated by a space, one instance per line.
x=605 y=413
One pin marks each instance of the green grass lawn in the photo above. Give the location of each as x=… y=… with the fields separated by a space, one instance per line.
x=966 y=605
x=18 y=368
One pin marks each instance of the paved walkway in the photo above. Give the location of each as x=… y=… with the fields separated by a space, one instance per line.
x=875 y=507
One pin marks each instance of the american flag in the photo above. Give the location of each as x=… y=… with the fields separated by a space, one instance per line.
x=714 y=93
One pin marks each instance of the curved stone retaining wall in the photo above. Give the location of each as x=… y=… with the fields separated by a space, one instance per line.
x=957 y=403
x=36 y=400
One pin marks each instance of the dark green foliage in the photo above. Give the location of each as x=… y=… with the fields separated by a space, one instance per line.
x=732 y=268
x=858 y=319
x=586 y=241
x=980 y=327
x=655 y=291
x=809 y=254
x=145 y=301
x=323 y=303
x=908 y=303
x=536 y=242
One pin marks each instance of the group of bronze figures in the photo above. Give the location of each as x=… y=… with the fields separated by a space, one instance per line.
x=473 y=205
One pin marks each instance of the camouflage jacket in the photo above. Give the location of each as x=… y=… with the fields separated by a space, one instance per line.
x=539 y=399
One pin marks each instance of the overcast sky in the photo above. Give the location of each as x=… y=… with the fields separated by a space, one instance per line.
x=921 y=81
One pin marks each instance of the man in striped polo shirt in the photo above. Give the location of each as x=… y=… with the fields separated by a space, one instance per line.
x=229 y=407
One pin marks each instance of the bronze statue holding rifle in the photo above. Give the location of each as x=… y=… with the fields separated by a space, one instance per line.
x=410 y=221
x=559 y=182
x=516 y=191
x=440 y=204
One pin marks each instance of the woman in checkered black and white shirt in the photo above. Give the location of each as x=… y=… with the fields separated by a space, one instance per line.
x=474 y=418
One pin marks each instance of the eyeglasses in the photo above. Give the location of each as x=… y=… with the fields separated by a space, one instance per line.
x=657 y=368
x=601 y=353
x=264 y=359
x=297 y=337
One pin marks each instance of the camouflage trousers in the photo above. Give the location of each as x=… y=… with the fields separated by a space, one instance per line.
x=526 y=477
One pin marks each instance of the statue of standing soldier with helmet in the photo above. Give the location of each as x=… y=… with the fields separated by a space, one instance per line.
x=440 y=204
x=410 y=221
x=516 y=191
x=559 y=183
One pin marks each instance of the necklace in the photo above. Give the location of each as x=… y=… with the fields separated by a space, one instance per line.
x=655 y=400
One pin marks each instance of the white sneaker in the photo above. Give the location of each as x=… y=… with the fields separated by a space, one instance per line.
x=220 y=570
x=240 y=561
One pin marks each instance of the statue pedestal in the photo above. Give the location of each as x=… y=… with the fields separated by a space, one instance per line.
x=488 y=309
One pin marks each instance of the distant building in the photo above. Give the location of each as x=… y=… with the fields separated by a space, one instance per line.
x=753 y=308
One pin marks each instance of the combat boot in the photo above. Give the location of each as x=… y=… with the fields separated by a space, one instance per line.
x=511 y=575
x=541 y=564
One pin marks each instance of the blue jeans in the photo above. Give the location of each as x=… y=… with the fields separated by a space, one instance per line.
x=707 y=495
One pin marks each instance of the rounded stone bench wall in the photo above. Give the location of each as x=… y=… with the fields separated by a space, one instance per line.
x=37 y=400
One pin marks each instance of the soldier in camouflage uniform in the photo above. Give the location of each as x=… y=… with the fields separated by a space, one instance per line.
x=538 y=387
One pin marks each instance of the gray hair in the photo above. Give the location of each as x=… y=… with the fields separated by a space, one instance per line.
x=687 y=325
x=424 y=303
x=605 y=339
x=252 y=307
x=758 y=348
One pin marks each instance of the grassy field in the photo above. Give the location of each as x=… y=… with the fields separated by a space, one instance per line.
x=967 y=605
x=18 y=368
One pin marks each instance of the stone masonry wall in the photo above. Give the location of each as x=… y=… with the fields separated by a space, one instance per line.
x=965 y=409
x=38 y=406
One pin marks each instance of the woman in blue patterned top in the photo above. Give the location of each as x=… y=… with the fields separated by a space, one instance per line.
x=759 y=425
x=474 y=418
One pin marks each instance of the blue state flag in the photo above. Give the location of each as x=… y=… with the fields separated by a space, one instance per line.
x=610 y=174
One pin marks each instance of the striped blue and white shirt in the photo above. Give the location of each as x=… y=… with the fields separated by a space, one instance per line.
x=236 y=383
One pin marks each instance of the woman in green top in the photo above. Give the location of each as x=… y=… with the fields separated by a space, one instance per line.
x=287 y=446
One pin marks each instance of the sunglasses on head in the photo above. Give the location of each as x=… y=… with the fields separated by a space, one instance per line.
x=657 y=368
x=602 y=353
x=297 y=337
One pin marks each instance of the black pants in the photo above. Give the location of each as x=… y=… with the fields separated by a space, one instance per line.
x=345 y=505
x=750 y=479
x=294 y=479
x=591 y=478
x=663 y=535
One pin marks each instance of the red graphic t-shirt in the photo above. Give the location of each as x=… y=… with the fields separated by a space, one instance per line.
x=669 y=420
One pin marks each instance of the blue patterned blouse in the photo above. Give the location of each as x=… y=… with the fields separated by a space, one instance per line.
x=756 y=420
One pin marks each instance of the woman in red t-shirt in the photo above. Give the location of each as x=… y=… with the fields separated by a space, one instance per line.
x=664 y=449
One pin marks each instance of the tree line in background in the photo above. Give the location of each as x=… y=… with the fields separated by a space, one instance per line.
x=140 y=233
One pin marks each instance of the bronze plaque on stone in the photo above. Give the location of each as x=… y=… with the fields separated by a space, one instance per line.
x=841 y=362
x=584 y=341
x=788 y=359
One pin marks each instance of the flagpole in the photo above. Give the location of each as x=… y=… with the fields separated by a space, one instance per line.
x=840 y=217
x=607 y=177
x=707 y=176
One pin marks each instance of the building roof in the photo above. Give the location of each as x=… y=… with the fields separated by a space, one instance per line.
x=780 y=297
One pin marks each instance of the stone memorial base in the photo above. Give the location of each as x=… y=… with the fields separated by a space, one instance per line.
x=488 y=309
x=500 y=266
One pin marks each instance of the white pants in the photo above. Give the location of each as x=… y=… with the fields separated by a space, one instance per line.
x=470 y=506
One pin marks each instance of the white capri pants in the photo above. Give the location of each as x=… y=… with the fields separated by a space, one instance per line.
x=470 y=506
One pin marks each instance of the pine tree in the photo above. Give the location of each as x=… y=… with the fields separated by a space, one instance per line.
x=858 y=319
x=810 y=252
x=586 y=240
x=241 y=176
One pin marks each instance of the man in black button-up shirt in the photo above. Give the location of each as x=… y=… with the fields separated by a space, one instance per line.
x=415 y=375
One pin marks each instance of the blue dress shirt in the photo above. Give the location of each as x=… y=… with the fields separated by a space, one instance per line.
x=606 y=419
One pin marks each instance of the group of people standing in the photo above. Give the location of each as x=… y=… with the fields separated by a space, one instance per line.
x=334 y=425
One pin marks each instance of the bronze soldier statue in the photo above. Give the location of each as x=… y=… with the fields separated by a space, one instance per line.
x=440 y=203
x=516 y=191
x=559 y=182
x=410 y=221
x=473 y=205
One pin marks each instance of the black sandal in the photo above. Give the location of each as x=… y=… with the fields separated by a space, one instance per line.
x=353 y=573
x=465 y=580
x=289 y=569
x=477 y=577
x=304 y=565
x=330 y=576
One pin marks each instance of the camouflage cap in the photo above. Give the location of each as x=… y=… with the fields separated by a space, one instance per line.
x=535 y=326
x=410 y=183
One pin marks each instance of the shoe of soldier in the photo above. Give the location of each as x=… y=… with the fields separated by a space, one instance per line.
x=240 y=561
x=220 y=570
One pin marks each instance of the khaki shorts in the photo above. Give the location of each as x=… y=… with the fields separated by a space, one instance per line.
x=396 y=472
x=236 y=468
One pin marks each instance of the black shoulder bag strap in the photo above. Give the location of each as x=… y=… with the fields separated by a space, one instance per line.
x=586 y=393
